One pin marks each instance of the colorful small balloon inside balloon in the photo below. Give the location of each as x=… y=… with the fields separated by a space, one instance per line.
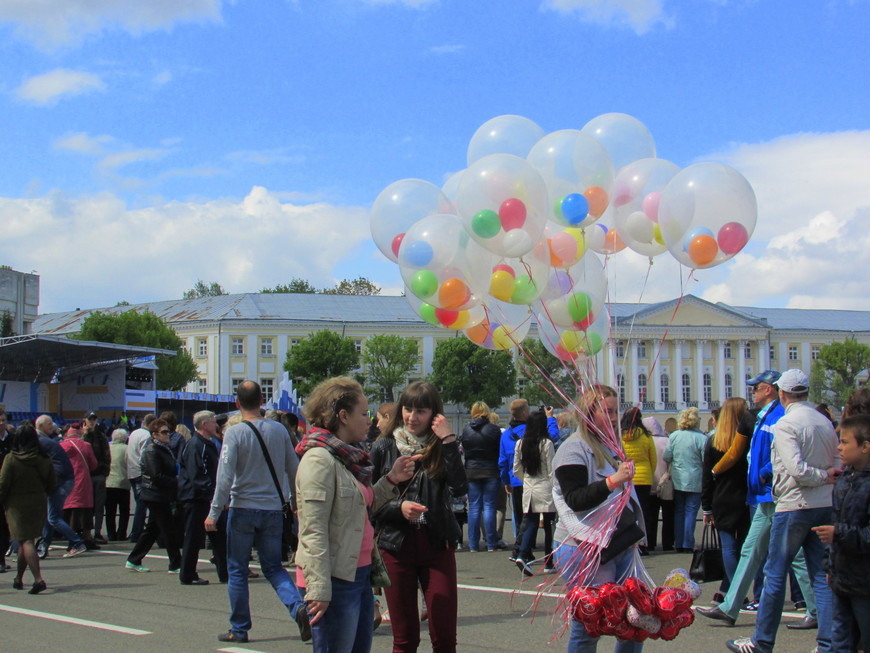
x=397 y=242
x=486 y=223
x=502 y=285
x=501 y=337
x=525 y=290
x=478 y=333
x=575 y=208
x=579 y=305
x=512 y=213
x=598 y=200
x=427 y=312
x=732 y=237
x=424 y=283
x=703 y=249
x=453 y=293
x=445 y=317
x=419 y=253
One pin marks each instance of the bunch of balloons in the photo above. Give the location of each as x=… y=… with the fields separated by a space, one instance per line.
x=633 y=611
x=518 y=232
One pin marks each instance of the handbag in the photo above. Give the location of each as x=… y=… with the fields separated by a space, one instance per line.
x=626 y=534
x=379 y=576
x=707 y=564
x=665 y=488
x=286 y=507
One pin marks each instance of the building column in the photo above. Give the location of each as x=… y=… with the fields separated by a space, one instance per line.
x=806 y=362
x=763 y=357
x=656 y=372
x=631 y=374
x=678 y=373
x=740 y=381
x=599 y=363
x=223 y=365
x=719 y=388
x=699 y=372
x=783 y=357
x=610 y=365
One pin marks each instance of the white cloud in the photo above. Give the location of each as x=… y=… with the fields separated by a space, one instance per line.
x=83 y=143
x=50 y=23
x=49 y=87
x=639 y=15
x=265 y=157
x=162 y=78
x=447 y=49
x=158 y=252
x=118 y=160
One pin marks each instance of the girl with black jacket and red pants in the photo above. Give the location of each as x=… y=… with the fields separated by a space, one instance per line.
x=418 y=531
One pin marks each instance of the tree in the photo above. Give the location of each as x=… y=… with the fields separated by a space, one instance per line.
x=387 y=360
x=358 y=286
x=465 y=373
x=547 y=377
x=123 y=302
x=835 y=373
x=202 y=289
x=320 y=356
x=6 y=328
x=144 y=330
x=296 y=286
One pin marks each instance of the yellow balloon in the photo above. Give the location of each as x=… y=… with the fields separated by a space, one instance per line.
x=462 y=320
x=570 y=340
x=657 y=235
x=501 y=285
x=501 y=338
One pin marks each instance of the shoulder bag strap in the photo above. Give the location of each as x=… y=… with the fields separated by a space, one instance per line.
x=268 y=462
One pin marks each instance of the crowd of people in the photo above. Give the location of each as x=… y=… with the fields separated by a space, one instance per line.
x=374 y=508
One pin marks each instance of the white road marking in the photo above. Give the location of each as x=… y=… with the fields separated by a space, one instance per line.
x=504 y=590
x=74 y=621
x=236 y=649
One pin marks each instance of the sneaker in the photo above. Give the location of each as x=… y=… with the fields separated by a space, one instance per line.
x=742 y=645
x=76 y=550
x=513 y=557
x=525 y=567
x=302 y=621
x=799 y=606
x=230 y=636
x=551 y=570
x=174 y=571
x=752 y=606
x=41 y=548
x=129 y=565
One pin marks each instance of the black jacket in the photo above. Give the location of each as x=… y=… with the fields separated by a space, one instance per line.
x=199 y=463
x=159 y=479
x=435 y=494
x=848 y=560
x=724 y=495
x=480 y=441
x=100 y=445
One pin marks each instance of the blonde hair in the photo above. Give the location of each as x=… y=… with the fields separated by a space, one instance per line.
x=479 y=409
x=726 y=426
x=328 y=398
x=494 y=419
x=183 y=431
x=588 y=402
x=689 y=419
x=566 y=420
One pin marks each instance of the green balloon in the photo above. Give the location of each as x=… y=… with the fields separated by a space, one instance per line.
x=579 y=305
x=592 y=343
x=424 y=284
x=427 y=312
x=557 y=208
x=525 y=290
x=486 y=223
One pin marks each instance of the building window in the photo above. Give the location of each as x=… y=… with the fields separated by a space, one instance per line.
x=202 y=347
x=202 y=386
x=747 y=351
x=521 y=386
x=815 y=351
x=234 y=384
x=708 y=388
x=620 y=349
x=641 y=349
x=792 y=352
x=265 y=346
x=748 y=388
x=620 y=386
x=293 y=342
x=729 y=386
x=358 y=345
x=687 y=388
x=772 y=353
x=726 y=349
x=641 y=387
x=266 y=388
x=238 y=347
x=666 y=388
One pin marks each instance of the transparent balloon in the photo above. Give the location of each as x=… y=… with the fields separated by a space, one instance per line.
x=573 y=345
x=566 y=245
x=451 y=187
x=505 y=326
x=574 y=298
x=433 y=264
x=707 y=214
x=624 y=137
x=578 y=174
x=502 y=201
x=445 y=318
x=636 y=196
x=512 y=280
x=602 y=237
x=506 y=134
x=399 y=206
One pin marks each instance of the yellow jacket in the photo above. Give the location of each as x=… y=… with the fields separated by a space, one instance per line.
x=640 y=448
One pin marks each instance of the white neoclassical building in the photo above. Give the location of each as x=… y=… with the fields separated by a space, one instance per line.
x=664 y=356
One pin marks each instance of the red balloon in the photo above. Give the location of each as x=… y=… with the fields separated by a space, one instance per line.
x=512 y=214
x=624 y=631
x=446 y=317
x=503 y=267
x=670 y=601
x=732 y=237
x=639 y=595
x=615 y=600
x=397 y=242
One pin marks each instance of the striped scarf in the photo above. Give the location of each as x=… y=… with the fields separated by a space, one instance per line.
x=357 y=461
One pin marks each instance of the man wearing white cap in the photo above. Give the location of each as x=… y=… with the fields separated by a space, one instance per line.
x=805 y=464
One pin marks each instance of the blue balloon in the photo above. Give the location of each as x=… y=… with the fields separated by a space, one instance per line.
x=575 y=208
x=419 y=253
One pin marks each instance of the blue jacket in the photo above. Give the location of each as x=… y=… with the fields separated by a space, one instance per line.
x=508 y=446
x=760 y=466
x=63 y=468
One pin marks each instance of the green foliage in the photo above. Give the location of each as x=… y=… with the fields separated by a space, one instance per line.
x=358 y=286
x=202 y=289
x=320 y=356
x=834 y=375
x=296 y=286
x=465 y=373
x=144 y=330
x=388 y=359
x=123 y=302
x=6 y=329
x=546 y=376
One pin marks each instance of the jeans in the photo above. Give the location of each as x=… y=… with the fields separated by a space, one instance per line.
x=730 y=557
x=614 y=571
x=346 y=626
x=139 y=513
x=530 y=531
x=55 y=521
x=248 y=528
x=482 y=497
x=790 y=532
x=686 y=505
x=851 y=629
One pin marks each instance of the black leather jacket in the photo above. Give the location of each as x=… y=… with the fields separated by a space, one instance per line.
x=159 y=478
x=480 y=442
x=435 y=494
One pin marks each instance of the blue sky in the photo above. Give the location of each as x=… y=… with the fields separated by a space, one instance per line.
x=147 y=145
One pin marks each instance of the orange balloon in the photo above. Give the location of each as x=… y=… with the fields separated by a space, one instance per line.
x=613 y=243
x=453 y=293
x=478 y=332
x=555 y=261
x=703 y=249
x=598 y=200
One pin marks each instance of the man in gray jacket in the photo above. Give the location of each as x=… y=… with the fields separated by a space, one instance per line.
x=805 y=464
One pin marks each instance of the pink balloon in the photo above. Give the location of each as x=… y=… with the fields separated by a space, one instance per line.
x=651 y=205
x=732 y=237
x=512 y=214
x=397 y=242
x=564 y=246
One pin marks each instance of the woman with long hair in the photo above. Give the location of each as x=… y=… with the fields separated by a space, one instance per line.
x=641 y=450
x=480 y=441
x=533 y=465
x=723 y=497
x=26 y=480
x=418 y=530
x=685 y=453
x=588 y=474
x=334 y=494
